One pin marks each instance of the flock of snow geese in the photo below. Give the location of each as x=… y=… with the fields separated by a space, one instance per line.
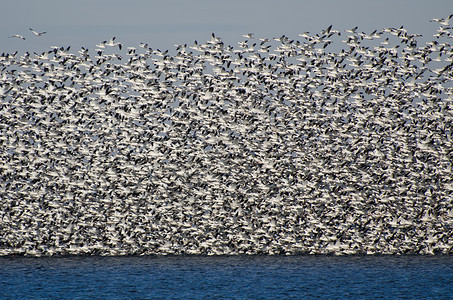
x=335 y=142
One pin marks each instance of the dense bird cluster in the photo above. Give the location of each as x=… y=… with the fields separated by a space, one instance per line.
x=339 y=142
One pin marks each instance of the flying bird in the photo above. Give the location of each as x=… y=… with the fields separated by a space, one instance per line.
x=17 y=36
x=443 y=21
x=249 y=35
x=37 y=33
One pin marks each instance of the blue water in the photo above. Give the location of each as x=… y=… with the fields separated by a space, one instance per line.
x=238 y=277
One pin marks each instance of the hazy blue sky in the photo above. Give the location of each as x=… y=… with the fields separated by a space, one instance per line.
x=166 y=22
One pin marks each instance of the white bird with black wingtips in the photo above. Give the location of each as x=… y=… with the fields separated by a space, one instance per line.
x=17 y=36
x=37 y=33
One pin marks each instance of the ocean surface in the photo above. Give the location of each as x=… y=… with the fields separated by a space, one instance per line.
x=227 y=277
